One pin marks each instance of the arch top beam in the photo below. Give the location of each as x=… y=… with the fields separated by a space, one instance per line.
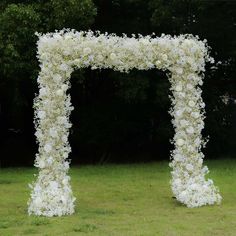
x=60 y=53
x=83 y=49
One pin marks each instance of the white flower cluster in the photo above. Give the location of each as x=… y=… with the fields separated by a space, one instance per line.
x=60 y=53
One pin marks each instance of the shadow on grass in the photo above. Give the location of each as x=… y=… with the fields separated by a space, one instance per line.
x=40 y=221
x=85 y=228
x=5 y=181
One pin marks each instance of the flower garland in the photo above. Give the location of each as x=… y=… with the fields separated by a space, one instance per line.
x=62 y=52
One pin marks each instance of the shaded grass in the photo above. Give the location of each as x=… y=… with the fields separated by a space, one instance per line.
x=121 y=200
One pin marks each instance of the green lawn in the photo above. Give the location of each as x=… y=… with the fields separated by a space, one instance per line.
x=121 y=200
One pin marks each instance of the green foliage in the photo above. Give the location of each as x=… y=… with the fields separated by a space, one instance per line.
x=70 y=14
x=18 y=63
x=17 y=40
x=19 y=22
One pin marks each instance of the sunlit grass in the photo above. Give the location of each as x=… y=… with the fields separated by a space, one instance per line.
x=121 y=200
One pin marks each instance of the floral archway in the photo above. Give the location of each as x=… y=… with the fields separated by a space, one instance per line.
x=60 y=53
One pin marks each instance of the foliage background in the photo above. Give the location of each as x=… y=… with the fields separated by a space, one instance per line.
x=117 y=117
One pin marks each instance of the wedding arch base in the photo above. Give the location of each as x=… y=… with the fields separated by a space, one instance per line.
x=60 y=53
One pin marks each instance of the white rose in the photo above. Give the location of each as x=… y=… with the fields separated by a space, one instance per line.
x=178 y=88
x=50 y=160
x=178 y=157
x=65 y=181
x=57 y=78
x=197 y=141
x=64 y=87
x=195 y=114
x=63 y=67
x=100 y=57
x=38 y=202
x=194 y=186
x=53 y=132
x=178 y=113
x=177 y=181
x=59 y=92
x=180 y=142
x=179 y=70
x=87 y=51
x=41 y=114
x=183 y=122
x=144 y=41
x=157 y=63
x=63 y=199
x=113 y=56
x=205 y=170
x=53 y=184
x=183 y=195
x=164 y=57
x=41 y=164
x=62 y=119
x=189 y=167
x=191 y=77
x=189 y=86
x=190 y=130
x=47 y=148
x=191 y=103
x=43 y=91
x=64 y=138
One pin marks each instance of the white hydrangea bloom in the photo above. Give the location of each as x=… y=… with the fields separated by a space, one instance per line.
x=62 y=52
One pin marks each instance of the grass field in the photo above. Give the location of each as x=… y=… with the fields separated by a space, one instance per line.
x=122 y=200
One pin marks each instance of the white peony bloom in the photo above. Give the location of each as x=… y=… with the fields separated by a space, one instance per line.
x=53 y=133
x=158 y=63
x=178 y=113
x=64 y=87
x=191 y=77
x=113 y=56
x=50 y=160
x=64 y=67
x=100 y=58
x=180 y=142
x=177 y=181
x=59 y=92
x=87 y=51
x=48 y=148
x=41 y=163
x=197 y=141
x=183 y=196
x=190 y=130
x=43 y=91
x=189 y=167
x=38 y=202
x=178 y=157
x=189 y=86
x=164 y=57
x=54 y=185
x=41 y=114
x=183 y=122
x=191 y=103
x=178 y=88
x=64 y=138
x=57 y=78
x=179 y=70
x=195 y=114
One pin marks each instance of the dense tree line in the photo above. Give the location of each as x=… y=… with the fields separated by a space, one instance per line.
x=118 y=117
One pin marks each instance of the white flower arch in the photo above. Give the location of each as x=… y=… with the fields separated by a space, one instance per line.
x=62 y=52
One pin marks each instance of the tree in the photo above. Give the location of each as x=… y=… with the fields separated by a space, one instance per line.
x=18 y=63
